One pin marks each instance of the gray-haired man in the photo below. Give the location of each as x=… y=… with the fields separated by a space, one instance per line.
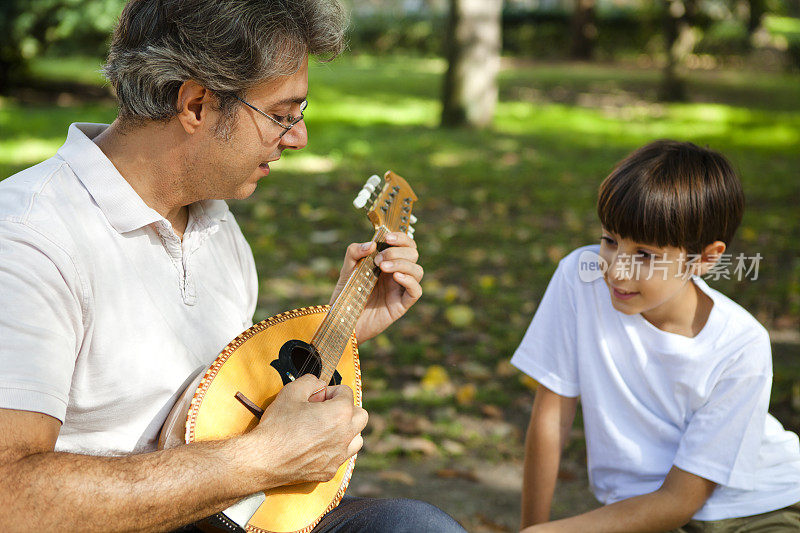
x=122 y=272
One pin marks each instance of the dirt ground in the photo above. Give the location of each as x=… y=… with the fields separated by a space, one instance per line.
x=484 y=498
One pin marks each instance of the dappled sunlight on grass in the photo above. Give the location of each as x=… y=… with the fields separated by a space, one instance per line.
x=24 y=152
x=497 y=208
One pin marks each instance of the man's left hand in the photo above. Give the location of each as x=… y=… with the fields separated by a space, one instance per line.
x=398 y=286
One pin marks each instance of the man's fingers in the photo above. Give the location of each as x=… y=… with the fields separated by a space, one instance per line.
x=355 y=445
x=413 y=289
x=339 y=392
x=358 y=250
x=398 y=238
x=360 y=419
x=404 y=267
x=397 y=253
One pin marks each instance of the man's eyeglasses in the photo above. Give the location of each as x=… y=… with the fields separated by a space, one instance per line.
x=284 y=121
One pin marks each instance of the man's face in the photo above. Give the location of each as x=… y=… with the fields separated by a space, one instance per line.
x=231 y=165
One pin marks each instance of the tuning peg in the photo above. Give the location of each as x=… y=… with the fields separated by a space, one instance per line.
x=410 y=232
x=367 y=191
x=362 y=199
x=413 y=219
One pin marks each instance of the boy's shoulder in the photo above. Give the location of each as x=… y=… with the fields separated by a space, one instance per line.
x=738 y=332
x=582 y=264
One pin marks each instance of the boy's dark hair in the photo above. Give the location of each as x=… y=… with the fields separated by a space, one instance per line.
x=670 y=193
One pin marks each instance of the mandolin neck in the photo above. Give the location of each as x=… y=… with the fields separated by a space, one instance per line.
x=338 y=326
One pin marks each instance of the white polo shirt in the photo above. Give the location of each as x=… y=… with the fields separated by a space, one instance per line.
x=653 y=399
x=105 y=311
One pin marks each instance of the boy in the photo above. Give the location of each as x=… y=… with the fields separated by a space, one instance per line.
x=674 y=377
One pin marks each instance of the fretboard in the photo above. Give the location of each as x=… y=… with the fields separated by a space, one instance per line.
x=335 y=331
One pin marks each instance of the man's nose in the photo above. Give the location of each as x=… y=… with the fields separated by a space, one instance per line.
x=296 y=138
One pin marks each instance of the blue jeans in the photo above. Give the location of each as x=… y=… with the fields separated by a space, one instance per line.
x=368 y=515
x=372 y=515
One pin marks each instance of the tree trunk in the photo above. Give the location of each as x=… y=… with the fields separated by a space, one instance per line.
x=584 y=30
x=473 y=61
x=757 y=10
x=679 y=40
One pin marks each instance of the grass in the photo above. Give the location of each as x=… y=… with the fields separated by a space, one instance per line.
x=497 y=209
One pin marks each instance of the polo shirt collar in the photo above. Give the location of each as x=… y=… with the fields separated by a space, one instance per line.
x=119 y=202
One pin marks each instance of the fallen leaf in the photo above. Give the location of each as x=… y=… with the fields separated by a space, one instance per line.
x=434 y=378
x=465 y=394
x=460 y=316
x=397 y=476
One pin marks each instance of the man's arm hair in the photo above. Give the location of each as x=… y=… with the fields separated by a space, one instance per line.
x=45 y=490
x=145 y=492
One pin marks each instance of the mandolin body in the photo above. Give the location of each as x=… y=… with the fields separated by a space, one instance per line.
x=209 y=410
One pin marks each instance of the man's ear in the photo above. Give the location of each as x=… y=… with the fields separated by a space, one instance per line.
x=709 y=257
x=193 y=105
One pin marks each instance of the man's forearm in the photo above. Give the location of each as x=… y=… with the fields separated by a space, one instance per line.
x=148 y=492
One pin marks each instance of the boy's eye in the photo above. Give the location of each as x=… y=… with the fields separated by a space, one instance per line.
x=608 y=240
x=644 y=255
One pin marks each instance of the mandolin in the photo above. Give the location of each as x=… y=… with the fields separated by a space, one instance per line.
x=230 y=396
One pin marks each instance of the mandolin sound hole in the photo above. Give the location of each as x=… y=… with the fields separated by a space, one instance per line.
x=297 y=358
x=306 y=360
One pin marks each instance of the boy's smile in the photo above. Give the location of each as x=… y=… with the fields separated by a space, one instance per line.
x=654 y=281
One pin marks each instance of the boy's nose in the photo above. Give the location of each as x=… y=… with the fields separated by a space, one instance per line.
x=620 y=267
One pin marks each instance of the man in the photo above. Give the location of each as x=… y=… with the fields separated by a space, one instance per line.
x=122 y=274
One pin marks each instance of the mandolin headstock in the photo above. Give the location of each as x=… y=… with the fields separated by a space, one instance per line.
x=389 y=203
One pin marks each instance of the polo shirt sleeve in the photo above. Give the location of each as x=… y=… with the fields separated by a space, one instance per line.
x=247 y=265
x=41 y=323
x=548 y=351
x=722 y=440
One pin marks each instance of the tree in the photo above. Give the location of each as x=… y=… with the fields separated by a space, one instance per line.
x=473 y=61
x=30 y=27
x=679 y=40
x=584 y=30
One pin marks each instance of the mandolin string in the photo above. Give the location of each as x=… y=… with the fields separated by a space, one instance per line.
x=335 y=334
x=319 y=340
x=331 y=329
x=331 y=326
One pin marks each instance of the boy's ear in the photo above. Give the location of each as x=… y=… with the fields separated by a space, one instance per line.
x=193 y=105
x=709 y=257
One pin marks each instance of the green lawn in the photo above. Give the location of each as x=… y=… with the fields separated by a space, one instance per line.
x=497 y=208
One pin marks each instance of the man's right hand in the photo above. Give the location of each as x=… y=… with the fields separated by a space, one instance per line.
x=305 y=436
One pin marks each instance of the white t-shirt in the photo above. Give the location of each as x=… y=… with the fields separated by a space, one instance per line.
x=105 y=311
x=653 y=399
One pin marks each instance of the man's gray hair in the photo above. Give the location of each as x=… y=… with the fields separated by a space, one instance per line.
x=227 y=46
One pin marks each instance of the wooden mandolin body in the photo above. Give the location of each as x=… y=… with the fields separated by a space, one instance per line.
x=209 y=410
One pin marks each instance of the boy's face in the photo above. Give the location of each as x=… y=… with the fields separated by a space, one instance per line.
x=646 y=279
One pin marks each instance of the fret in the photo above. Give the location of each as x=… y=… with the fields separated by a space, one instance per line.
x=337 y=328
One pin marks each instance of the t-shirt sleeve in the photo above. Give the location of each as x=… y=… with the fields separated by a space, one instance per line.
x=723 y=438
x=548 y=351
x=41 y=321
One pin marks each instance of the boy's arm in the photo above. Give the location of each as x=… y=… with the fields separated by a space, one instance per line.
x=551 y=420
x=670 y=507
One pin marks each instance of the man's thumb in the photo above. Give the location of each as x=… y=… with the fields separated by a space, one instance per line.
x=304 y=386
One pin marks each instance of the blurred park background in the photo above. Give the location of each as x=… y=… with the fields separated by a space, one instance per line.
x=504 y=117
